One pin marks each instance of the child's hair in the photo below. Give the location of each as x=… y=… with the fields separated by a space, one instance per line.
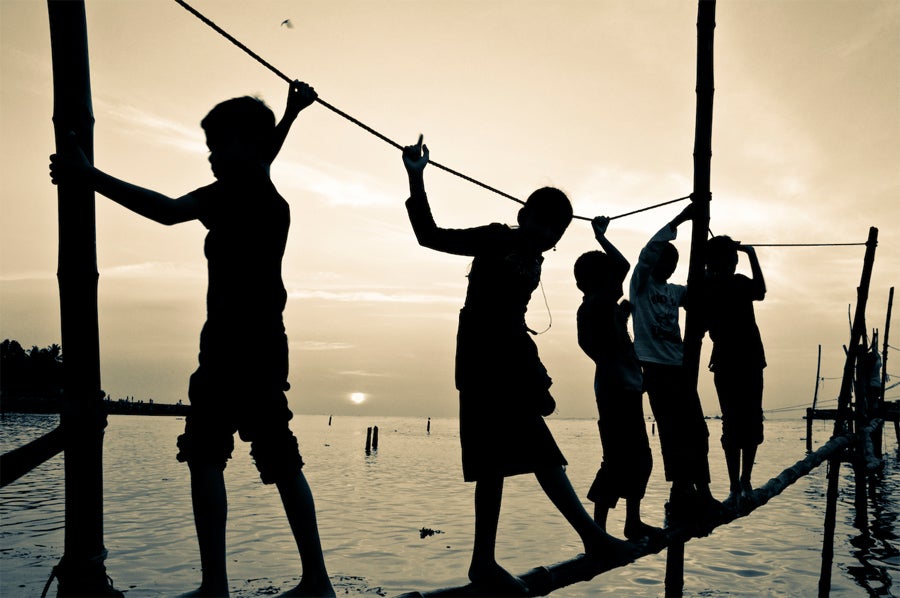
x=245 y=118
x=721 y=254
x=551 y=206
x=591 y=270
x=666 y=262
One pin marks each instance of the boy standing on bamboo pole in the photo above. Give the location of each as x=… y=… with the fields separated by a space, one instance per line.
x=738 y=358
x=683 y=435
x=618 y=385
x=234 y=391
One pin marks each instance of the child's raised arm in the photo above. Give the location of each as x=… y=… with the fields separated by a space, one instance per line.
x=600 y=224
x=300 y=96
x=759 y=282
x=72 y=167
x=415 y=158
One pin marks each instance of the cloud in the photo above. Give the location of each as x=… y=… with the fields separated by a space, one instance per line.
x=155 y=128
x=153 y=270
x=338 y=186
x=363 y=374
x=369 y=296
x=27 y=275
x=320 y=346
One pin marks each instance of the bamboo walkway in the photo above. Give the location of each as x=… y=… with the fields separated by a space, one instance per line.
x=546 y=579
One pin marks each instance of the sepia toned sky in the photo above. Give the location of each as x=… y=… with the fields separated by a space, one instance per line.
x=596 y=98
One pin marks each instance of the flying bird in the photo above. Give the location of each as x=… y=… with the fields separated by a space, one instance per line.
x=287 y=23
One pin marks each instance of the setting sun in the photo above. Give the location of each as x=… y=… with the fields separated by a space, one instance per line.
x=357 y=397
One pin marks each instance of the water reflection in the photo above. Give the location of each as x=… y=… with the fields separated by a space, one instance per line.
x=874 y=546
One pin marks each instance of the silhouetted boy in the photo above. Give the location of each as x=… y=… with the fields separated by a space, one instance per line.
x=738 y=358
x=618 y=385
x=683 y=435
x=235 y=390
x=503 y=386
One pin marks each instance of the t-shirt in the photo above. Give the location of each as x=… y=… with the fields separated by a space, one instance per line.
x=493 y=345
x=603 y=335
x=248 y=224
x=657 y=333
x=727 y=313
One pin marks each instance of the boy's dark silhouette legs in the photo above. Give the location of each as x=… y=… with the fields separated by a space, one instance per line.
x=211 y=512
x=301 y=513
x=635 y=529
x=749 y=456
x=597 y=543
x=210 y=505
x=484 y=567
x=601 y=513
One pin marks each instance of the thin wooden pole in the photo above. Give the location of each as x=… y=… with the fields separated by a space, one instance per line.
x=706 y=23
x=809 y=412
x=857 y=332
x=844 y=416
x=884 y=361
x=693 y=336
x=81 y=571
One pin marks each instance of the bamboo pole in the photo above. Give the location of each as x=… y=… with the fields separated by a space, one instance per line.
x=810 y=412
x=20 y=461
x=81 y=571
x=546 y=579
x=844 y=414
x=693 y=334
x=884 y=360
x=706 y=23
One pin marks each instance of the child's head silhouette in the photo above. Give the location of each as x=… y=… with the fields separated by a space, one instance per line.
x=721 y=255
x=666 y=263
x=548 y=213
x=592 y=271
x=239 y=132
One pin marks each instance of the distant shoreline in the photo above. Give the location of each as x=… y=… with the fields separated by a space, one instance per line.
x=119 y=407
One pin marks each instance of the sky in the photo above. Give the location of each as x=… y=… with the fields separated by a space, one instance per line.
x=594 y=97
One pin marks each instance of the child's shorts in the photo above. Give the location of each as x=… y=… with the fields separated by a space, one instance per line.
x=221 y=406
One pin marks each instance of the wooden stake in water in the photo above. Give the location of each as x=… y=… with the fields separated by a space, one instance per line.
x=368 y=440
x=375 y=438
x=844 y=414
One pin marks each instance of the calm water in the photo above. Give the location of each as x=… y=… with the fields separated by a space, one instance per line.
x=372 y=508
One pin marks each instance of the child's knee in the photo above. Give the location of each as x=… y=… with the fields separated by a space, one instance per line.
x=277 y=457
x=193 y=450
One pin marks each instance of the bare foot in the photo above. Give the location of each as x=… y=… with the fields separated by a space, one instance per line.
x=639 y=530
x=497 y=580
x=614 y=551
x=311 y=588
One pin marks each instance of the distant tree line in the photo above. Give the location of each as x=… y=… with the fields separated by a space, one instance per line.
x=35 y=372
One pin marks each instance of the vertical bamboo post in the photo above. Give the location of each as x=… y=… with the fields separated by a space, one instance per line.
x=857 y=332
x=840 y=424
x=374 y=438
x=368 y=440
x=693 y=335
x=834 y=466
x=81 y=571
x=810 y=412
x=884 y=359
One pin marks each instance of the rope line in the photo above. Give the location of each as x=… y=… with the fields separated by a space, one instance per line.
x=803 y=244
x=665 y=203
x=372 y=131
